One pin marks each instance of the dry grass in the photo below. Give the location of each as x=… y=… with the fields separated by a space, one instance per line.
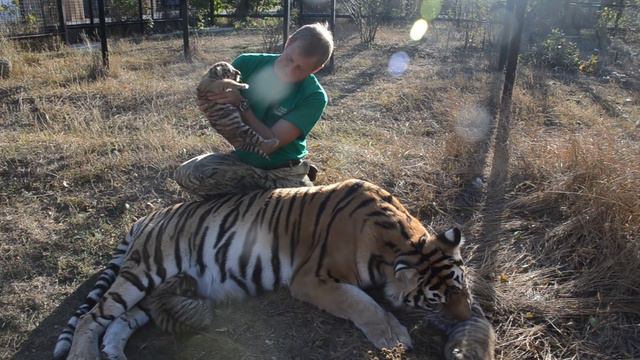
x=554 y=264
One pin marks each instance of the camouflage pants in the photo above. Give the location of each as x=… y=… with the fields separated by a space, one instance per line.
x=216 y=173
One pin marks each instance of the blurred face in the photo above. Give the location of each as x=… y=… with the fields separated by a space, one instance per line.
x=292 y=66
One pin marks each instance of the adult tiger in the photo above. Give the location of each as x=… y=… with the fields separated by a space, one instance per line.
x=326 y=243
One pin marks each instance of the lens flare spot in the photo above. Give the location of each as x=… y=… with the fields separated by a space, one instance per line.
x=398 y=64
x=418 y=29
x=430 y=9
x=472 y=123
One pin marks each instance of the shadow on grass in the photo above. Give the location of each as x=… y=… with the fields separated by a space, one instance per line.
x=274 y=326
x=40 y=343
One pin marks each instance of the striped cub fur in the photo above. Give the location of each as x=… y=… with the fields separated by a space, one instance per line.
x=473 y=339
x=175 y=306
x=225 y=118
x=325 y=243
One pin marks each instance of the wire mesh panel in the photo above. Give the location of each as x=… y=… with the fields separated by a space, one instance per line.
x=166 y=9
x=28 y=17
x=121 y=10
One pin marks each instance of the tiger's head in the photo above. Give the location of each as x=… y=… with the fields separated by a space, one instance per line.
x=223 y=70
x=211 y=81
x=430 y=276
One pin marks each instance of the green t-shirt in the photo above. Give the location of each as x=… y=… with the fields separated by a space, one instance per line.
x=270 y=99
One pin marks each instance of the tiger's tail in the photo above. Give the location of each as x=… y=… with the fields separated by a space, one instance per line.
x=106 y=278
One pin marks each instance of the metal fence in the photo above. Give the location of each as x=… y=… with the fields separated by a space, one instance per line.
x=68 y=18
x=29 y=17
x=25 y=19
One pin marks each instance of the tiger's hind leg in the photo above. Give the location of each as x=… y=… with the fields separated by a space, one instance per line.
x=120 y=330
x=173 y=306
x=252 y=148
x=352 y=303
x=127 y=290
x=269 y=145
x=252 y=141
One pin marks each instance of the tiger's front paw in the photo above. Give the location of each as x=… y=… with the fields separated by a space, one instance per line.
x=84 y=351
x=113 y=355
x=388 y=333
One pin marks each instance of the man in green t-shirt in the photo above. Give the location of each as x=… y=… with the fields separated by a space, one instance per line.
x=284 y=101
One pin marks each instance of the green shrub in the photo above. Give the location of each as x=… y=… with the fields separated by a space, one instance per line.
x=555 y=52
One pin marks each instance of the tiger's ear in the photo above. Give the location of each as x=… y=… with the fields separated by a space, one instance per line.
x=452 y=237
x=404 y=272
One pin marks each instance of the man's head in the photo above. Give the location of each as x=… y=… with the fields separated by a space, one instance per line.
x=307 y=50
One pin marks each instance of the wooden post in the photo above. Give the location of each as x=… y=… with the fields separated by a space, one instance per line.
x=285 y=21
x=507 y=34
x=63 y=22
x=512 y=58
x=102 y=31
x=184 y=9
x=499 y=174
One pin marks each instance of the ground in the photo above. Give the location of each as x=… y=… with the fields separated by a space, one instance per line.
x=547 y=197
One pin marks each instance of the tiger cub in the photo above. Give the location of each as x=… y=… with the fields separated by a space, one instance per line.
x=225 y=118
x=471 y=339
x=175 y=307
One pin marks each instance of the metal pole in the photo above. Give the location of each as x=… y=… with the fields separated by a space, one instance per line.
x=91 y=17
x=300 y=12
x=285 y=21
x=184 y=9
x=333 y=29
x=141 y=17
x=102 y=31
x=63 y=22
x=212 y=11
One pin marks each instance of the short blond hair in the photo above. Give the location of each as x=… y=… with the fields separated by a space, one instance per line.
x=316 y=40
